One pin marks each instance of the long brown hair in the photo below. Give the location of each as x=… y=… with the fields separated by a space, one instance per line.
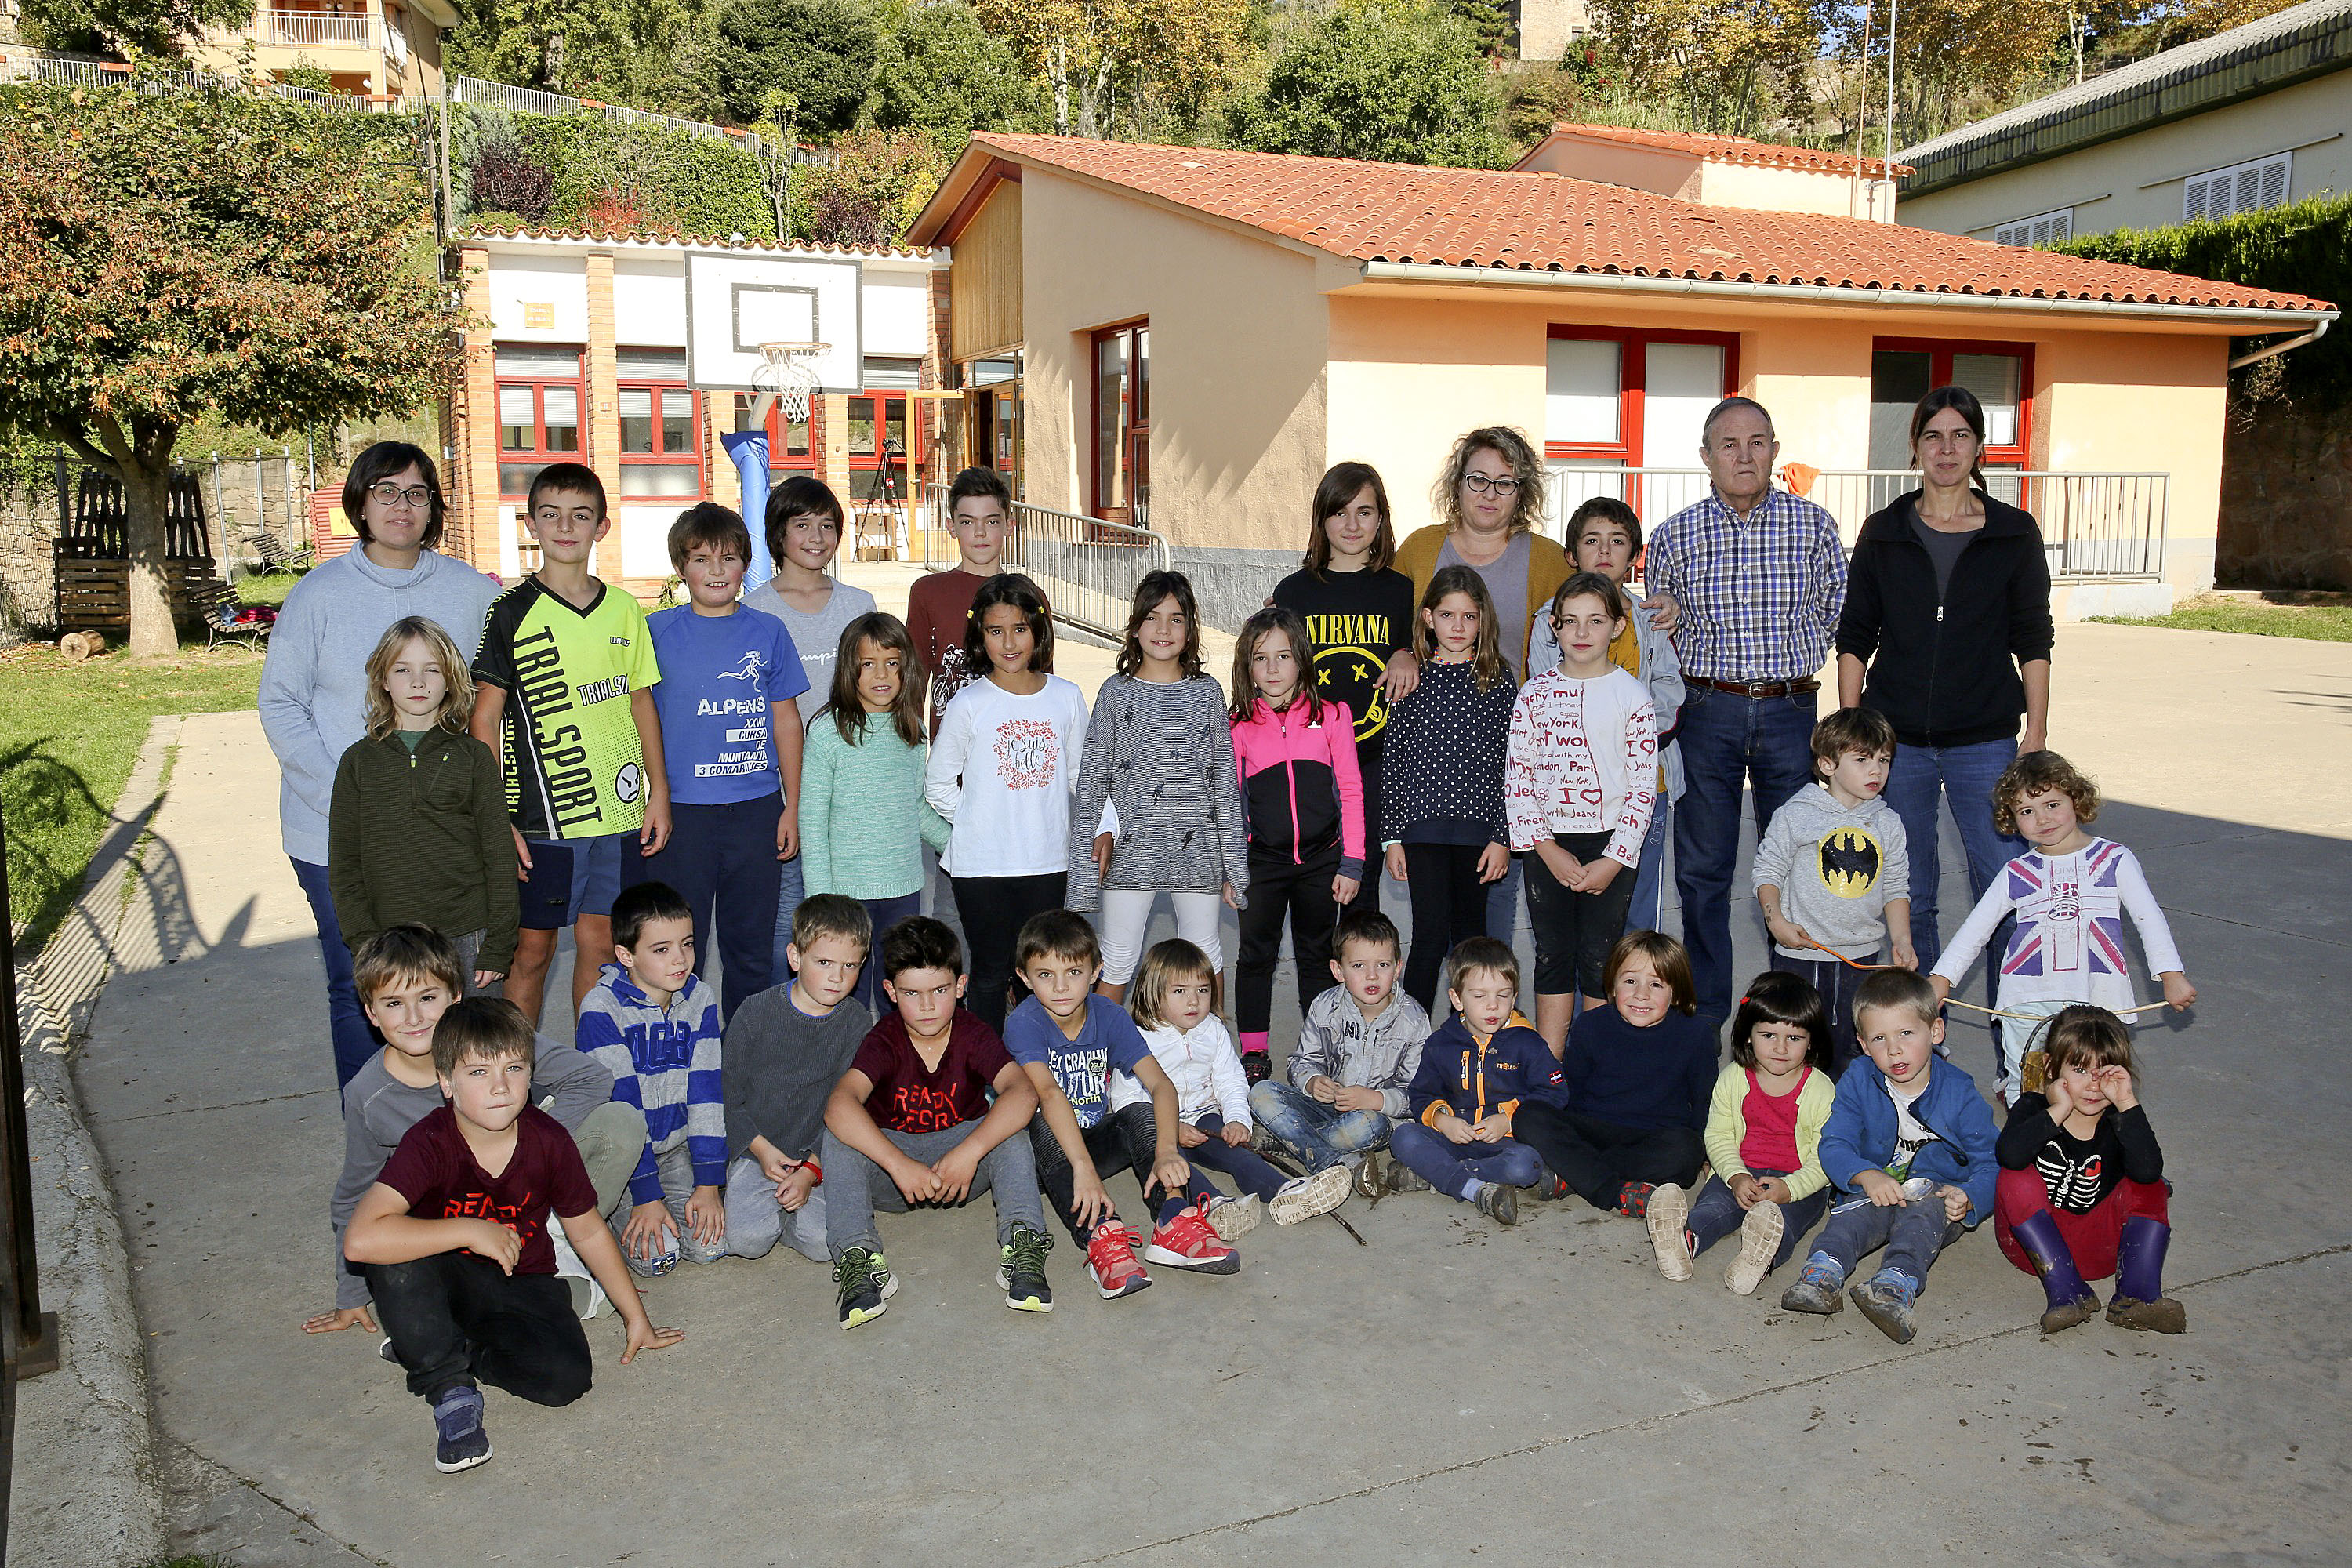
x=887 y=633
x=1016 y=589
x=1341 y=483
x=1514 y=448
x=1156 y=589
x=1243 y=692
x=456 y=702
x=1487 y=664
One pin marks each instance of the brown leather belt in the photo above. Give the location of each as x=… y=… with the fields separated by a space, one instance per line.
x=1758 y=687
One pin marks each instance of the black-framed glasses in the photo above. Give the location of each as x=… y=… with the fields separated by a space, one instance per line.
x=1480 y=484
x=390 y=494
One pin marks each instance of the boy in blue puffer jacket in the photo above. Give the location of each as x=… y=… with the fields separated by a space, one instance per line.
x=1911 y=1141
x=1475 y=1074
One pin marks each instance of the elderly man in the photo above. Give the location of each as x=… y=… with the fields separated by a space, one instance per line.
x=1758 y=576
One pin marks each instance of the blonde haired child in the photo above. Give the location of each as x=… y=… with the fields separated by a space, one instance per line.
x=417 y=830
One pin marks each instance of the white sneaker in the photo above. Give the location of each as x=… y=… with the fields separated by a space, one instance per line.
x=1760 y=1238
x=588 y=1298
x=1304 y=1197
x=1668 y=1216
x=1233 y=1218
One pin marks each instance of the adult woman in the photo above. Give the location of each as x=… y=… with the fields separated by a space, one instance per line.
x=314 y=683
x=1947 y=632
x=1487 y=500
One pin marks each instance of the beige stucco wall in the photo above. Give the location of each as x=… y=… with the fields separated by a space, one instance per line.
x=1547 y=28
x=1787 y=190
x=2135 y=182
x=1611 y=163
x=1695 y=179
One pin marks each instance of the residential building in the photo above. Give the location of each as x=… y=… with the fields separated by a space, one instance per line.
x=1719 y=171
x=1548 y=30
x=2251 y=118
x=390 y=47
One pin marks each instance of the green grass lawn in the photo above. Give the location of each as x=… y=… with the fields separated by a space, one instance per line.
x=70 y=734
x=270 y=590
x=2324 y=623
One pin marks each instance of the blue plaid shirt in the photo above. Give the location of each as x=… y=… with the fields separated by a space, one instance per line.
x=1761 y=599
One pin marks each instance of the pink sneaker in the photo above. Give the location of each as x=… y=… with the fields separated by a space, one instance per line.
x=1111 y=1260
x=1188 y=1242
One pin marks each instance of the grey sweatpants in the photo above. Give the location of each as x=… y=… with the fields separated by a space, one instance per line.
x=756 y=1221
x=676 y=1168
x=610 y=1140
x=854 y=1187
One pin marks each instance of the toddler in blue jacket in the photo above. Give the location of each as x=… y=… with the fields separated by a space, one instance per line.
x=1475 y=1075
x=1909 y=1147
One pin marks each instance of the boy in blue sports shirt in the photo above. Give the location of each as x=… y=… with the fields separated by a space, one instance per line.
x=1909 y=1146
x=731 y=737
x=653 y=1024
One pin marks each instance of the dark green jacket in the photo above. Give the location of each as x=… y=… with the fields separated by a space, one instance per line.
x=423 y=838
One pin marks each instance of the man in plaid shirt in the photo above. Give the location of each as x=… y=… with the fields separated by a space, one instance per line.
x=1759 y=577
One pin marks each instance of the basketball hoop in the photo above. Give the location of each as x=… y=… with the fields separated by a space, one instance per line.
x=789 y=375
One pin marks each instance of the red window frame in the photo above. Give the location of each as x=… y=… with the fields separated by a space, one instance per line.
x=779 y=460
x=1632 y=381
x=1135 y=450
x=539 y=452
x=1941 y=353
x=663 y=455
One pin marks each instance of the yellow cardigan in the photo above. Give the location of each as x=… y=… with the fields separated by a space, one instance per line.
x=1727 y=1128
x=1547 y=568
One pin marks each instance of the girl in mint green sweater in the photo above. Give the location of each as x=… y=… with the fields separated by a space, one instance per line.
x=864 y=820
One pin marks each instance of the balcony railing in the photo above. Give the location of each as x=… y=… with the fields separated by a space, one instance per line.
x=2102 y=525
x=321 y=30
x=1087 y=566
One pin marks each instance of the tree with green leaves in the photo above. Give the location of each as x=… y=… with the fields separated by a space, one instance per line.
x=1403 y=85
x=609 y=49
x=942 y=71
x=819 y=51
x=167 y=256
x=876 y=183
x=1112 y=62
x=1734 y=65
x=117 y=27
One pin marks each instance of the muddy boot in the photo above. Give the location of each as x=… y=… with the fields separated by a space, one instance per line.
x=1885 y=1298
x=2071 y=1301
x=2140 y=1301
x=1817 y=1289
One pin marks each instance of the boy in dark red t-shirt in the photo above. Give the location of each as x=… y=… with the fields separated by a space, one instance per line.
x=453 y=1239
x=979 y=513
x=910 y=1122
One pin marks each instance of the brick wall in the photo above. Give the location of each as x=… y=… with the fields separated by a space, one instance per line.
x=2286 y=499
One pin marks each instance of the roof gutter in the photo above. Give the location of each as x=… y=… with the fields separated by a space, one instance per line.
x=2272 y=350
x=2255 y=318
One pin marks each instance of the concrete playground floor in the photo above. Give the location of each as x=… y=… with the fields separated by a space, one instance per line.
x=1530 y=1395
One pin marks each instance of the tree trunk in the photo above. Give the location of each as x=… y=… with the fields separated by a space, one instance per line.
x=145 y=495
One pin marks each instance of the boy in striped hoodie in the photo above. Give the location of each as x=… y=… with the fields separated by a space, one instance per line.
x=654 y=1023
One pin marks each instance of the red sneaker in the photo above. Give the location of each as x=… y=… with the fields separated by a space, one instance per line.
x=1111 y=1260
x=1188 y=1242
x=1634 y=1202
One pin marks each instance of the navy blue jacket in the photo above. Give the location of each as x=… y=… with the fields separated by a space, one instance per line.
x=1662 y=1076
x=1474 y=1081
x=1863 y=1126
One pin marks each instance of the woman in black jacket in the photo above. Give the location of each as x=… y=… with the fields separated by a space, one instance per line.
x=1947 y=632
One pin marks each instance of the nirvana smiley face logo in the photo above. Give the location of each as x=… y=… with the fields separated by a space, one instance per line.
x=1849 y=862
x=1346 y=666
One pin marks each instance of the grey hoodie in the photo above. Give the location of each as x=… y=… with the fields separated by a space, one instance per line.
x=314 y=682
x=1837 y=869
x=1336 y=1042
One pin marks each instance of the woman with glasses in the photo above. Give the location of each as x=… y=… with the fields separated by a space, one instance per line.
x=314 y=683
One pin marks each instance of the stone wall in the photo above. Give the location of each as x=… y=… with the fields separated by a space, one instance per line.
x=2286 y=498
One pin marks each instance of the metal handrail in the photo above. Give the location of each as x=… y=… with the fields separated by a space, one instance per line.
x=1087 y=566
x=2094 y=524
x=323 y=29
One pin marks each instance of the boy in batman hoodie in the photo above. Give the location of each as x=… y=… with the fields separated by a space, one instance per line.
x=1833 y=870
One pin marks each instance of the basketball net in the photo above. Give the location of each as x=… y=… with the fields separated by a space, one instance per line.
x=787 y=375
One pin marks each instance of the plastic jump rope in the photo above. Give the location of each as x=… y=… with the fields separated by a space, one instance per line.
x=1987 y=1012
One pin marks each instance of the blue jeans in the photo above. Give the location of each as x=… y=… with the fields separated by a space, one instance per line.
x=1716 y=1214
x=1322 y=1135
x=1921 y=778
x=788 y=898
x=1503 y=905
x=1451 y=1167
x=1913 y=1232
x=1730 y=744
x=883 y=913
x=346 y=1020
x=1649 y=905
x=721 y=859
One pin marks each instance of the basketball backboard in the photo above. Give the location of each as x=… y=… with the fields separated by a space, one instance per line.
x=735 y=302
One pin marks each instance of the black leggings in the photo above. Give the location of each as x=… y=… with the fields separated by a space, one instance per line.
x=993 y=911
x=453 y=1319
x=1279 y=887
x=1368 y=894
x=1449 y=907
x=1597 y=1158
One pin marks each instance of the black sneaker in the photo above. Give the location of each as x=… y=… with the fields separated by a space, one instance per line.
x=1022 y=1271
x=1257 y=1067
x=866 y=1283
x=458 y=1417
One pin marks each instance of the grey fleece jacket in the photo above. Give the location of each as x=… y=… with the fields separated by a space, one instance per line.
x=314 y=681
x=1837 y=869
x=1335 y=1042
x=1163 y=755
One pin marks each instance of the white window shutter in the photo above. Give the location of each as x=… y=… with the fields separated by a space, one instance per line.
x=2273 y=183
x=2062 y=224
x=2192 y=200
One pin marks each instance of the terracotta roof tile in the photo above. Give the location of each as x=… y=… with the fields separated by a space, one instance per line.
x=1733 y=149
x=674 y=237
x=1535 y=222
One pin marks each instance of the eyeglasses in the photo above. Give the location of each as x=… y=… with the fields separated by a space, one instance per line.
x=390 y=494
x=1480 y=484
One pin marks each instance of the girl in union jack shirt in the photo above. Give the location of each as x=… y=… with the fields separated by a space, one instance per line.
x=2070 y=894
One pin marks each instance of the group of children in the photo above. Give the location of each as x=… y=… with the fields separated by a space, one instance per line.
x=643 y=780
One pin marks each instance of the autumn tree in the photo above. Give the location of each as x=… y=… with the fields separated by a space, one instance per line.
x=167 y=256
x=1169 y=55
x=1733 y=64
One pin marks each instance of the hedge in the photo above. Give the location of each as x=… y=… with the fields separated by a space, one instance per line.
x=670 y=179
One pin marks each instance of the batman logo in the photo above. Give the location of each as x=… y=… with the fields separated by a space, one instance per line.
x=1849 y=862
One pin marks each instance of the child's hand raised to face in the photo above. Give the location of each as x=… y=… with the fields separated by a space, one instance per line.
x=2122 y=1093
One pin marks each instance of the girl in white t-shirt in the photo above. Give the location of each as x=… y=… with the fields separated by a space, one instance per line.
x=1002 y=764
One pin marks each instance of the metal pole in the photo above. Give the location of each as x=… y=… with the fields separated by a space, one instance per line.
x=260 y=495
x=1889 y=171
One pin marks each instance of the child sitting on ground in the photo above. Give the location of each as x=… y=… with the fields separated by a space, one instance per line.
x=1909 y=1145
x=1833 y=867
x=2070 y=893
x=1357 y=1051
x=1763 y=1138
x=408 y=978
x=1479 y=1077
x=784 y=1051
x=454 y=1239
x=1073 y=1044
x=653 y=1024
x=1639 y=1075
x=2081 y=1194
x=911 y=1122
x=1170 y=1002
